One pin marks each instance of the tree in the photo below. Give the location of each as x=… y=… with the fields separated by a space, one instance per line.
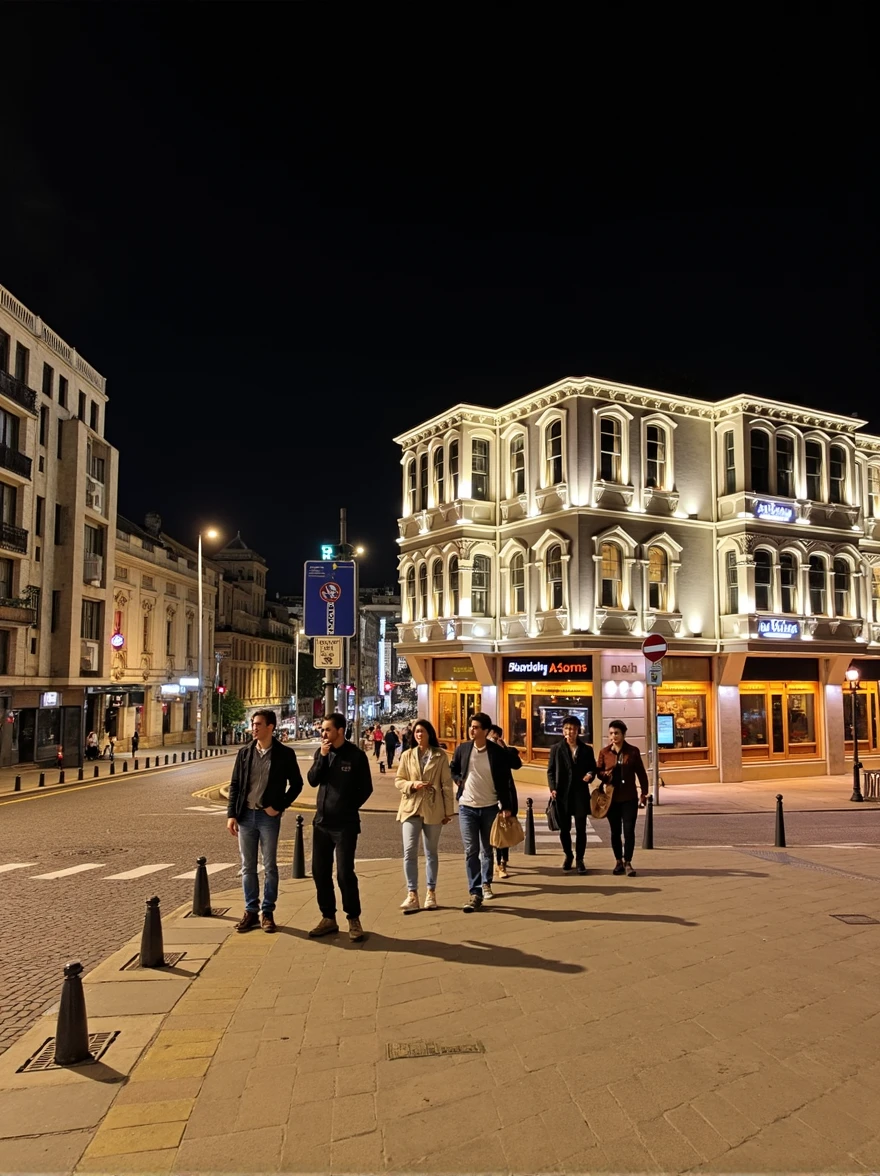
x=406 y=699
x=231 y=709
x=311 y=681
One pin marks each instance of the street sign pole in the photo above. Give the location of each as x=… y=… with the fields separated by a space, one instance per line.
x=655 y=758
x=653 y=648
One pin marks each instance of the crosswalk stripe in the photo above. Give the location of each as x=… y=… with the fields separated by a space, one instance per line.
x=214 y=869
x=70 y=870
x=139 y=872
x=15 y=866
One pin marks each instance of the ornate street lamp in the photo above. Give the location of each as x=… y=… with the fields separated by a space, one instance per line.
x=852 y=676
x=200 y=697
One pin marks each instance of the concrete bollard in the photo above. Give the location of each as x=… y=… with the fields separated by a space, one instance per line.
x=42 y=781
x=152 y=948
x=529 y=843
x=72 y=1028
x=80 y=773
x=780 y=823
x=17 y=785
x=648 y=835
x=201 y=890
x=61 y=776
x=299 y=852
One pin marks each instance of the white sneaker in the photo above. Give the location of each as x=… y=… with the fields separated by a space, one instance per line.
x=411 y=902
x=431 y=901
x=488 y=893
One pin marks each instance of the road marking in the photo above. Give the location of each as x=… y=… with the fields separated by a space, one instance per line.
x=214 y=869
x=15 y=866
x=71 y=870
x=139 y=872
x=201 y=808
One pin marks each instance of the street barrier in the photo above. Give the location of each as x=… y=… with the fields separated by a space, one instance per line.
x=648 y=835
x=152 y=948
x=529 y=843
x=80 y=773
x=780 y=823
x=299 y=852
x=201 y=890
x=96 y=772
x=113 y=767
x=137 y=765
x=17 y=787
x=166 y=761
x=42 y=780
x=174 y=758
x=61 y=776
x=72 y=1028
x=125 y=765
x=871 y=785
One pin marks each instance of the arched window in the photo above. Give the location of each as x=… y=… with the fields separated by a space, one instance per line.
x=763 y=581
x=655 y=458
x=423 y=590
x=454 y=585
x=813 y=456
x=481 y=584
x=411 y=485
x=874 y=490
x=438 y=475
x=837 y=474
x=517 y=584
x=841 y=573
x=729 y=462
x=423 y=482
x=553 y=454
x=788 y=582
x=555 y=594
x=480 y=469
x=760 y=461
x=612 y=575
x=817 y=585
x=875 y=594
x=517 y=464
x=411 y=594
x=658 y=578
x=609 y=449
x=785 y=465
x=732 y=582
x=437 y=587
x=453 y=471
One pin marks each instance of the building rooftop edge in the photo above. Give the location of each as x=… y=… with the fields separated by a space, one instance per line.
x=33 y=323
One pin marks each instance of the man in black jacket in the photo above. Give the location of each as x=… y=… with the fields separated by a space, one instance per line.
x=265 y=780
x=481 y=769
x=341 y=773
x=571 y=770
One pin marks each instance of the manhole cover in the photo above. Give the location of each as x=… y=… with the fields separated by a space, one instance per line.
x=856 y=919
x=92 y=853
x=44 y=1058
x=171 y=958
x=215 y=912
x=430 y=1049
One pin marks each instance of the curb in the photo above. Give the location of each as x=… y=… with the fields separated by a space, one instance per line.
x=49 y=786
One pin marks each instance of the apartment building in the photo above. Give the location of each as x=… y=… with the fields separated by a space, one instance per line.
x=58 y=478
x=540 y=543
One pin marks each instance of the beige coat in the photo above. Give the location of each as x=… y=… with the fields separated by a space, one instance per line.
x=431 y=804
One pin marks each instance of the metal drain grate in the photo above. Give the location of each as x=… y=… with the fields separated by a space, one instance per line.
x=857 y=919
x=44 y=1058
x=216 y=912
x=171 y=958
x=430 y=1049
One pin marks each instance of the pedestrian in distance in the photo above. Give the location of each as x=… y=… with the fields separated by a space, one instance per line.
x=265 y=781
x=570 y=771
x=620 y=765
x=341 y=773
x=92 y=752
x=407 y=739
x=502 y=854
x=481 y=772
x=378 y=744
x=135 y=743
x=426 y=805
x=392 y=742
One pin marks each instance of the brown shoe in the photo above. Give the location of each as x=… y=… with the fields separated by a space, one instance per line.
x=325 y=927
x=268 y=924
x=248 y=920
x=355 y=930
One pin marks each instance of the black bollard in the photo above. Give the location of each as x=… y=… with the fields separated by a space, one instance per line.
x=72 y=1029
x=125 y=765
x=97 y=771
x=80 y=773
x=166 y=761
x=529 y=843
x=137 y=765
x=201 y=890
x=113 y=767
x=17 y=787
x=61 y=776
x=299 y=853
x=174 y=758
x=780 y=823
x=152 y=948
x=648 y=835
x=41 y=783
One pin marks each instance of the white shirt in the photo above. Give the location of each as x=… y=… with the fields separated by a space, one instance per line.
x=479 y=788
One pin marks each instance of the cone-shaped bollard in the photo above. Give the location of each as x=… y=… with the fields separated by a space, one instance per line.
x=72 y=1030
x=201 y=890
x=152 y=948
x=529 y=843
x=780 y=823
x=648 y=835
x=299 y=852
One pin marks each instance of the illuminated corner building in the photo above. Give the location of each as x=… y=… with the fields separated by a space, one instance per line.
x=542 y=541
x=57 y=540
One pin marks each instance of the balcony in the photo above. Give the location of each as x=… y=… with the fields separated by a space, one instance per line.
x=93 y=570
x=11 y=459
x=15 y=390
x=15 y=611
x=13 y=538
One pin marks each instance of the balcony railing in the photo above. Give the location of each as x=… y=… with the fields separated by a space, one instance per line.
x=11 y=459
x=19 y=392
x=14 y=611
x=13 y=538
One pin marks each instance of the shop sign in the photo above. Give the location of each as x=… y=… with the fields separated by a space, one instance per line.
x=778 y=628
x=623 y=667
x=50 y=698
x=774 y=512
x=188 y=683
x=547 y=669
x=455 y=671
x=170 y=688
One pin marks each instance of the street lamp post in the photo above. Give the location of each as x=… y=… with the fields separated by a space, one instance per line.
x=200 y=697
x=852 y=676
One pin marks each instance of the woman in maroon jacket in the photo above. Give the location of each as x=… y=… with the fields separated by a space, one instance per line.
x=620 y=764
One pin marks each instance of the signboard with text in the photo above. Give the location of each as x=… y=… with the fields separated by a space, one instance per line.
x=547 y=669
x=329 y=598
x=774 y=512
x=328 y=653
x=778 y=628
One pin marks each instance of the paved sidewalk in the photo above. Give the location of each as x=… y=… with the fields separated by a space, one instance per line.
x=710 y=1015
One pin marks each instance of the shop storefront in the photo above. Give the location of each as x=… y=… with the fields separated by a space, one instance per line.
x=780 y=710
x=867 y=709
x=539 y=691
x=685 y=736
x=457 y=696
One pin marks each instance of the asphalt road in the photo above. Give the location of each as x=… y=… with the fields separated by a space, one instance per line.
x=151 y=828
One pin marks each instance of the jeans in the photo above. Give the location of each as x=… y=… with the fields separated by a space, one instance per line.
x=412 y=826
x=623 y=812
x=342 y=843
x=476 y=825
x=257 y=828
x=580 y=833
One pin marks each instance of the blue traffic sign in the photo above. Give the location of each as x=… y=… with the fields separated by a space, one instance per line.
x=330 y=599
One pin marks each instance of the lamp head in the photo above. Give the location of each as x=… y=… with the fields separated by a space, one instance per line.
x=852 y=676
x=359 y=550
x=211 y=533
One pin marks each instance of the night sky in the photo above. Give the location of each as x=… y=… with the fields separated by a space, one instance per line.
x=285 y=233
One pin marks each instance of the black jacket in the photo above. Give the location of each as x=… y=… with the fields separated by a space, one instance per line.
x=566 y=777
x=499 y=764
x=284 y=785
x=515 y=762
x=343 y=786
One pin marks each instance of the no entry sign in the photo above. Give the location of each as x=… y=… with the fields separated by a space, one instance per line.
x=654 y=647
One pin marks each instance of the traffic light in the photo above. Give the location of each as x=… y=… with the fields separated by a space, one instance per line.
x=221 y=689
x=337 y=551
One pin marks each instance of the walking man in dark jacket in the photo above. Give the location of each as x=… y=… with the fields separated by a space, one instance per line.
x=571 y=770
x=265 y=780
x=392 y=742
x=341 y=773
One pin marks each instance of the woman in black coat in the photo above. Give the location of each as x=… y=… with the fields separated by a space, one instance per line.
x=570 y=772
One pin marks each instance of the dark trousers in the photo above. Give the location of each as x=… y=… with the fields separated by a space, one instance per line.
x=623 y=813
x=502 y=854
x=343 y=843
x=580 y=833
x=377 y=744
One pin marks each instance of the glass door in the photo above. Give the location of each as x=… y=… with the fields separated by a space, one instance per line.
x=468 y=704
x=777 y=746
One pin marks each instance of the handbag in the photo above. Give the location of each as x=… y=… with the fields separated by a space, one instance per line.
x=552 y=816
x=600 y=801
x=506 y=832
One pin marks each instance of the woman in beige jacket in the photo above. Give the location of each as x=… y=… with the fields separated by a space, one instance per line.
x=425 y=781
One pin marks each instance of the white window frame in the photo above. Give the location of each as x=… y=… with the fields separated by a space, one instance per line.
x=507 y=439
x=798 y=563
x=624 y=420
x=628 y=548
x=410 y=484
x=850 y=608
x=770 y=606
x=511 y=549
x=438 y=492
x=545 y=423
x=549 y=539
x=824 y=561
x=666 y=426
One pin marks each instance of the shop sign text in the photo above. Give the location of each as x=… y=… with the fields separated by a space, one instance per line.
x=774 y=512
x=778 y=629
x=547 y=669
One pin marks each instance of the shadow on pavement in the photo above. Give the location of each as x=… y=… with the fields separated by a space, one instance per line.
x=590 y=916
